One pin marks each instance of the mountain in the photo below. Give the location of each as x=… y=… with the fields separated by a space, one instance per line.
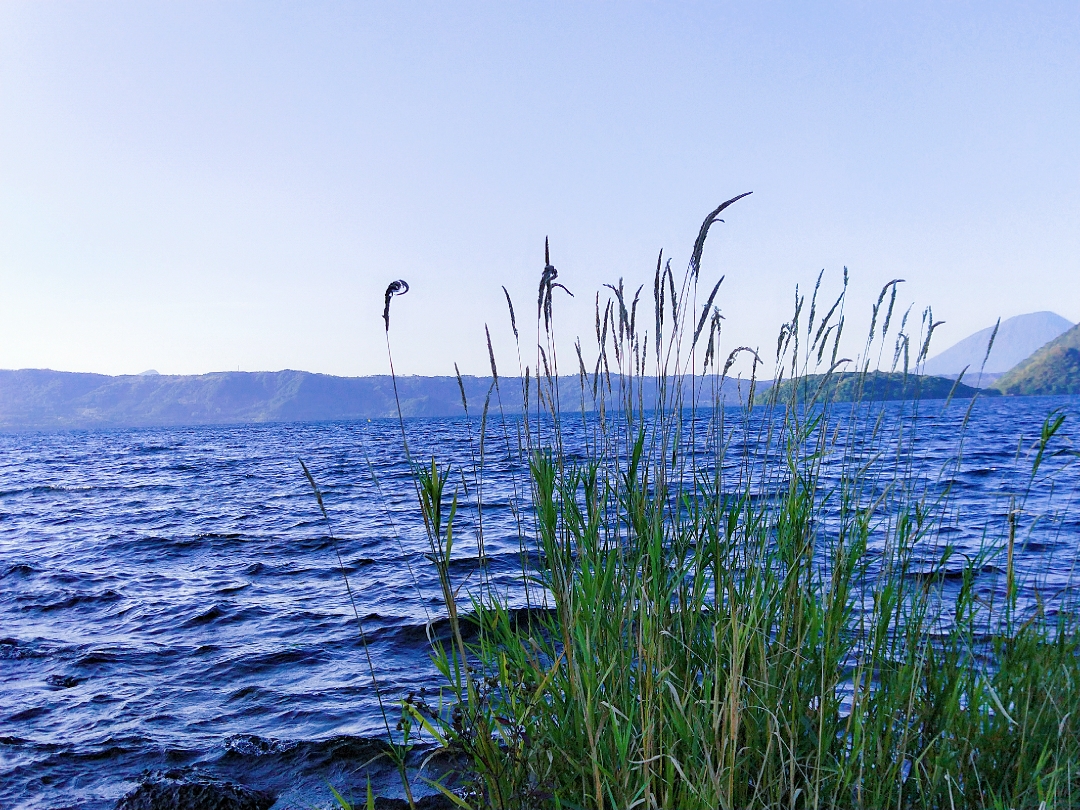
x=44 y=399
x=1053 y=369
x=876 y=386
x=1016 y=339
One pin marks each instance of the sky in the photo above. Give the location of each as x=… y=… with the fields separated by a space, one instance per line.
x=211 y=186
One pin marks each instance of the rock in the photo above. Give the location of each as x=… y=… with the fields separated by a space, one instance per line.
x=62 y=681
x=434 y=802
x=172 y=791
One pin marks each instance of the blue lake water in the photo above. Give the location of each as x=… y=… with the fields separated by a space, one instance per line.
x=171 y=598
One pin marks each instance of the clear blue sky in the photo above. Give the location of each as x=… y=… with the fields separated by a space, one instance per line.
x=203 y=186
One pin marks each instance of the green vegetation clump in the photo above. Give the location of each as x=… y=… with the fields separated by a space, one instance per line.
x=735 y=608
x=1052 y=370
x=874 y=386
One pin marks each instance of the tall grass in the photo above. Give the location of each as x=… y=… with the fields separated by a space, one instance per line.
x=740 y=607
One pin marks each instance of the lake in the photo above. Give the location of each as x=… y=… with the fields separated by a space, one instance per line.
x=171 y=598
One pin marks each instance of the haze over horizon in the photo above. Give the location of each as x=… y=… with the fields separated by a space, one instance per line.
x=198 y=186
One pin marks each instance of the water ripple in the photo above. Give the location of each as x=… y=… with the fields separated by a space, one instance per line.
x=171 y=598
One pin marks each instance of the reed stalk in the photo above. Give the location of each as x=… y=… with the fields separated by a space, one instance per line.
x=743 y=606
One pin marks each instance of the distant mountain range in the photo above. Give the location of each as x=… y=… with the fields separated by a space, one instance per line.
x=1040 y=353
x=38 y=398
x=1017 y=338
x=44 y=399
x=1053 y=369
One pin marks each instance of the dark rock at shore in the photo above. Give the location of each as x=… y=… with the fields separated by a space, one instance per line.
x=184 y=789
x=185 y=792
x=62 y=681
x=434 y=802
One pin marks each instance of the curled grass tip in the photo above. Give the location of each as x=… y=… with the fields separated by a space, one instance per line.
x=399 y=287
